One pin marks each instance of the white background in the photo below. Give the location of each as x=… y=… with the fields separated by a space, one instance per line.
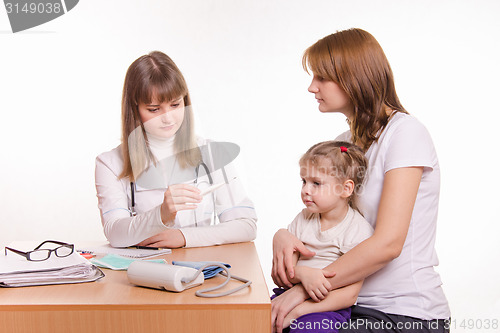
x=60 y=90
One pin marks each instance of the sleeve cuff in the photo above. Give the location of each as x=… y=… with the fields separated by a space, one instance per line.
x=238 y=212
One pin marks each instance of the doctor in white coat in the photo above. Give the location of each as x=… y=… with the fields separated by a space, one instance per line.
x=148 y=188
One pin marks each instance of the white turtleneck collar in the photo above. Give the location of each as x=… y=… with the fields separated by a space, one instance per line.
x=161 y=147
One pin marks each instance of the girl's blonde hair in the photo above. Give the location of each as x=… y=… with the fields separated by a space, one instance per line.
x=356 y=62
x=343 y=160
x=154 y=76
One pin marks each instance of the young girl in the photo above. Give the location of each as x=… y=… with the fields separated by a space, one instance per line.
x=332 y=174
x=352 y=76
x=148 y=187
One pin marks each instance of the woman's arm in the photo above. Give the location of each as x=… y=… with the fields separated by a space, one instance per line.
x=398 y=198
x=393 y=219
x=337 y=299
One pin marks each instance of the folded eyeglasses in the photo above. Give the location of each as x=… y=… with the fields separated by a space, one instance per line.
x=40 y=254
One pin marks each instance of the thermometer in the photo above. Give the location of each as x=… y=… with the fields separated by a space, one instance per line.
x=213 y=188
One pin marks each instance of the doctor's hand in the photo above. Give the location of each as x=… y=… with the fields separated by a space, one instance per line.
x=284 y=245
x=171 y=238
x=176 y=198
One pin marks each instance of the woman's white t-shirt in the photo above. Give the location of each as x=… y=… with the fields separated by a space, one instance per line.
x=408 y=285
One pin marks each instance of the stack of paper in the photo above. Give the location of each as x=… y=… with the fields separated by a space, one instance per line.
x=16 y=271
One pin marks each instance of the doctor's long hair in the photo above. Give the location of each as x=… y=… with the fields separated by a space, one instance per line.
x=356 y=62
x=154 y=76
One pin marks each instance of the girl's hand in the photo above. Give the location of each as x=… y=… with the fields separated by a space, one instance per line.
x=171 y=238
x=314 y=281
x=178 y=197
x=284 y=245
x=282 y=305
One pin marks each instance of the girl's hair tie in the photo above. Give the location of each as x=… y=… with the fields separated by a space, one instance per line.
x=343 y=149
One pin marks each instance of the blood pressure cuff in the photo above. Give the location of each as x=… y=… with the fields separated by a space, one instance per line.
x=208 y=272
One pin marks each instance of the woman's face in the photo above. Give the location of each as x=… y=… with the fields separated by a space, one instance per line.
x=162 y=120
x=330 y=96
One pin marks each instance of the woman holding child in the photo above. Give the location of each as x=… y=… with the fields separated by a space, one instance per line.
x=401 y=291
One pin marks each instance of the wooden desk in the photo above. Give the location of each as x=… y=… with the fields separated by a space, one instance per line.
x=112 y=304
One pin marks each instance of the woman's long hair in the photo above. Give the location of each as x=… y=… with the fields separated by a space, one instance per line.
x=356 y=62
x=154 y=76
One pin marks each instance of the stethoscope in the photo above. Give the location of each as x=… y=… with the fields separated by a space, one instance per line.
x=197 y=172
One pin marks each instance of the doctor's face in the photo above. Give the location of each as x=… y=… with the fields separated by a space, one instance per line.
x=162 y=120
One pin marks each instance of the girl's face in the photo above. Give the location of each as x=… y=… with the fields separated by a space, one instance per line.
x=162 y=120
x=330 y=96
x=322 y=192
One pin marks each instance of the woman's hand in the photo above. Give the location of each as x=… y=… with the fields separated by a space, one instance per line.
x=292 y=315
x=282 y=305
x=314 y=281
x=171 y=238
x=176 y=198
x=284 y=245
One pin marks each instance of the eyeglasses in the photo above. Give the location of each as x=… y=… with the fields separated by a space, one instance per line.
x=39 y=254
